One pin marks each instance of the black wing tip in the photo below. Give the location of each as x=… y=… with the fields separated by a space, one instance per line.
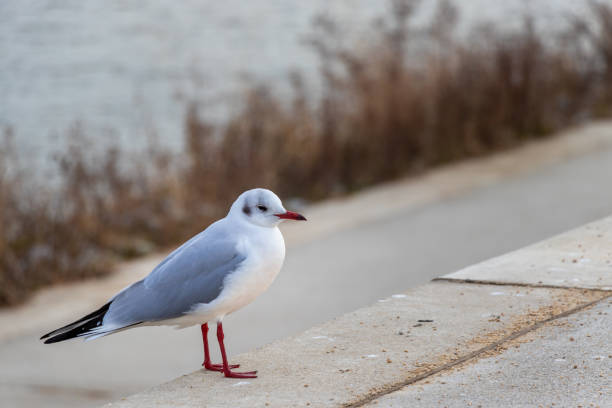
x=77 y=327
x=44 y=336
x=74 y=333
x=84 y=331
x=54 y=332
x=78 y=331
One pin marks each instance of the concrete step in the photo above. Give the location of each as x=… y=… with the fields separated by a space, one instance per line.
x=375 y=350
x=579 y=258
x=566 y=362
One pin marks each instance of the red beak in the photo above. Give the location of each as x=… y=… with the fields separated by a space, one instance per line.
x=290 y=215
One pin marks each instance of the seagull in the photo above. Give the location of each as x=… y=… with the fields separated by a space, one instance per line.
x=215 y=273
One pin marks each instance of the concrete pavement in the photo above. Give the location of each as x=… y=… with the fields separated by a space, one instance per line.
x=566 y=363
x=361 y=356
x=562 y=262
x=353 y=253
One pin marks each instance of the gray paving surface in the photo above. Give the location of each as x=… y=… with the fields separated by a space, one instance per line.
x=322 y=279
x=350 y=357
x=566 y=364
x=578 y=258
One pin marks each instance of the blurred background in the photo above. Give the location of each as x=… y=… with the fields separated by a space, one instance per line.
x=126 y=127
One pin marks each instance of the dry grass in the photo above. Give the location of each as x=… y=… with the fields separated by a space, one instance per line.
x=411 y=100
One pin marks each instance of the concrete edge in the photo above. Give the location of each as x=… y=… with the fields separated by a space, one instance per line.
x=559 y=261
x=476 y=354
x=564 y=362
x=517 y=284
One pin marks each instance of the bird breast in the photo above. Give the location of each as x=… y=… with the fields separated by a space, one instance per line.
x=265 y=253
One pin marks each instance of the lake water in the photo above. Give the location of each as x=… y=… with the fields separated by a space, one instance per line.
x=125 y=68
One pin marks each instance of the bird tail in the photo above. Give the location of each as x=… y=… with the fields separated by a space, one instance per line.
x=85 y=326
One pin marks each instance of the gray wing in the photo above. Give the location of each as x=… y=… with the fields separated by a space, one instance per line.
x=192 y=274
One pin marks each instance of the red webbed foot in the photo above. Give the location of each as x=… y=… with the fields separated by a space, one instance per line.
x=227 y=367
x=247 y=374
x=217 y=367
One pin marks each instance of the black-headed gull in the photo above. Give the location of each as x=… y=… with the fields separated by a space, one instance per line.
x=215 y=273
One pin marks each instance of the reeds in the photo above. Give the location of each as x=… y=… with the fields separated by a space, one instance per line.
x=412 y=99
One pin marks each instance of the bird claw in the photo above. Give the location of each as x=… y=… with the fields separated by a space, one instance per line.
x=247 y=374
x=218 y=367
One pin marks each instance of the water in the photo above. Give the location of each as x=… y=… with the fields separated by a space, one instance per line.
x=126 y=69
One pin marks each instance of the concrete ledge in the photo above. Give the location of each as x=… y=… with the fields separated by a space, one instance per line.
x=578 y=258
x=378 y=354
x=563 y=363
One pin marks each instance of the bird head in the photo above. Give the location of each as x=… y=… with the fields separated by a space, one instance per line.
x=262 y=207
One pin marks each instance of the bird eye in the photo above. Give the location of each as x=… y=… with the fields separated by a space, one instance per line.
x=262 y=208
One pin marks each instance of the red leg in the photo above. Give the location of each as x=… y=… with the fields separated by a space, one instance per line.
x=207 y=364
x=226 y=366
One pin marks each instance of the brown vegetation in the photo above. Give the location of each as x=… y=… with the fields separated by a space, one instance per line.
x=410 y=100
